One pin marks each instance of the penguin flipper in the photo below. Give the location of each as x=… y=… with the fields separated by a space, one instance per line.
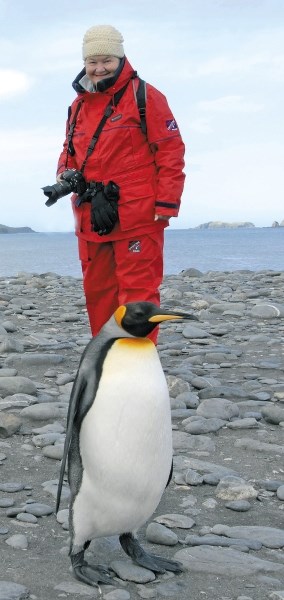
x=83 y=393
x=171 y=474
x=76 y=394
x=158 y=564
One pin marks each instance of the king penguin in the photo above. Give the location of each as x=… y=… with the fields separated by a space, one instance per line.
x=118 y=439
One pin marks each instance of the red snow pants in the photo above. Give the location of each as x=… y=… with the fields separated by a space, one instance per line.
x=127 y=270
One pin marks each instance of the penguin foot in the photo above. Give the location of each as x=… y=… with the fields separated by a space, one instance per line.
x=92 y=575
x=158 y=564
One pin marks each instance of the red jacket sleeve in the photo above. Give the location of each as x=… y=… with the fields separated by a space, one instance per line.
x=168 y=148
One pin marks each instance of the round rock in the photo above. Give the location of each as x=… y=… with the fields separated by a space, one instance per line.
x=159 y=534
x=13 y=591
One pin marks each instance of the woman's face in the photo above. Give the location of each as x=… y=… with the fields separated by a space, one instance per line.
x=101 y=67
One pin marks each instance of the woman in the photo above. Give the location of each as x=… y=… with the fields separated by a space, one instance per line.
x=120 y=236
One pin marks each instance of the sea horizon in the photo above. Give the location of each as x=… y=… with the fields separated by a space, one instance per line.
x=212 y=249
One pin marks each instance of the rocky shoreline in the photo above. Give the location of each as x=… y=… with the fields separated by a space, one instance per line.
x=222 y=514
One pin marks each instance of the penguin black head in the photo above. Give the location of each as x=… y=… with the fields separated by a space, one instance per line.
x=140 y=318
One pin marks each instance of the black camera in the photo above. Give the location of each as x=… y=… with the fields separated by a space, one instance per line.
x=71 y=181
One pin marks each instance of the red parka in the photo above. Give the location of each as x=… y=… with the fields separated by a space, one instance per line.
x=148 y=169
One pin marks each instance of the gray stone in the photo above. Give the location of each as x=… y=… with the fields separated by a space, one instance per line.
x=201 y=383
x=106 y=545
x=245 y=423
x=220 y=540
x=273 y=414
x=9 y=424
x=11 y=345
x=130 y=572
x=250 y=444
x=55 y=427
x=63 y=378
x=171 y=589
x=157 y=533
x=33 y=359
x=238 y=505
x=211 y=479
x=270 y=537
x=175 y=520
x=117 y=595
x=55 y=452
x=18 y=541
x=6 y=502
x=193 y=478
x=26 y=518
x=271 y=485
x=11 y=487
x=45 y=412
x=13 y=591
x=225 y=561
x=16 y=385
x=227 y=306
x=17 y=401
x=51 y=488
x=280 y=492
x=9 y=326
x=193 y=332
x=72 y=587
x=176 y=385
x=235 y=488
x=8 y=372
x=203 y=425
x=268 y=311
x=223 y=391
x=39 y=510
x=184 y=441
x=189 y=398
x=45 y=439
x=218 y=408
x=185 y=462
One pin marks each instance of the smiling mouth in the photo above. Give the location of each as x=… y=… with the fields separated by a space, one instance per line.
x=100 y=74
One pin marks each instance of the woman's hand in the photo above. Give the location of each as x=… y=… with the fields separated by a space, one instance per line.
x=162 y=217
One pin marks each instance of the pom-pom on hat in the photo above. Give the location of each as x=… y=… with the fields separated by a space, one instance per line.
x=103 y=40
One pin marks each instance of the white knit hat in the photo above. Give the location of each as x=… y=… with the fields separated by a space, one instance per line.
x=103 y=40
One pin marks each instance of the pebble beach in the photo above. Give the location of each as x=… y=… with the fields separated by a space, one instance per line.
x=222 y=514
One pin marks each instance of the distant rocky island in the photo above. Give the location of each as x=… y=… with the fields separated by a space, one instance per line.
x=222 y=225
x=6 y=229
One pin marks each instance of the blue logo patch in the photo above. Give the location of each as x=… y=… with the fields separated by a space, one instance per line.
x=172 y=125
x=134 y=246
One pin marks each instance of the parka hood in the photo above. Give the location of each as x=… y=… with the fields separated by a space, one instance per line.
x=123 y=74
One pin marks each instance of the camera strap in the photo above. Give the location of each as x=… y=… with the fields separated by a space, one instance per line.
x=70 y=147
x=108 y=111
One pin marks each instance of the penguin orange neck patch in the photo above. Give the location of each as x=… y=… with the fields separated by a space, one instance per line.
x=137 y=342
x=119 y=314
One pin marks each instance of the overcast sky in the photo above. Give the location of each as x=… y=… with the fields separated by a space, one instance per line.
x=219 y=62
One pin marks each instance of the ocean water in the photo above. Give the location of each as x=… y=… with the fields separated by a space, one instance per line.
x=207 y=250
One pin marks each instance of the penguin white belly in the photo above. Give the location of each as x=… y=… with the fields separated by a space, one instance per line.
x=125 y=443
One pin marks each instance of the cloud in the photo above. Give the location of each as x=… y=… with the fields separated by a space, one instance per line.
x=224 y=65
x=230 y=104
x=29 y=145
x=12 y=82
x=239 y=183
x=200 y=125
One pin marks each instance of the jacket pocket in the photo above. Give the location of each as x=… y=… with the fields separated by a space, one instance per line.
x=136 y=205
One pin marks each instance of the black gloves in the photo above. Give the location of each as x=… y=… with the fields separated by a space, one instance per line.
x=104 y=209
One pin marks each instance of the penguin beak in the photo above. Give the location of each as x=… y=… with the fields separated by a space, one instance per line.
x=164 y=316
